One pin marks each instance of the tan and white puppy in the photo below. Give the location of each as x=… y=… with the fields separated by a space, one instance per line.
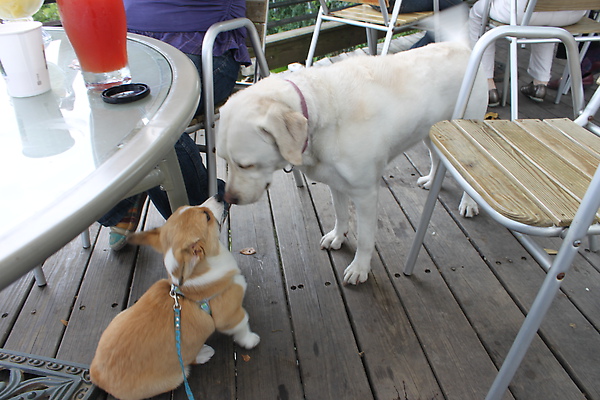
x=136 y=357
x=341 y=125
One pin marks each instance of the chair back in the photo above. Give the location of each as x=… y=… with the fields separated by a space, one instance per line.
x=525 y=32
x=372 y=2
x=564 y=5
x=257 y=11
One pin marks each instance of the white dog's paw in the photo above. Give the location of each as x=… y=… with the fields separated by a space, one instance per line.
x=332 y=240
x=356 y=274
x=467 y=207
x=425 y=181
x=205 y=354
x=248 y=341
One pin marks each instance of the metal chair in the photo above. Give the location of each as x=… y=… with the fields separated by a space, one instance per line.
x=586 y=30
x=534 y=177
x=211 y=114
x=364 y=15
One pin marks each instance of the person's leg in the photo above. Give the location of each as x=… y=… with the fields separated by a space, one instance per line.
x=123 y=219
x=409 y=6
x=488 y=58
x=540 y=61
x=225 y=73
x=194 y=177
x=117 y=213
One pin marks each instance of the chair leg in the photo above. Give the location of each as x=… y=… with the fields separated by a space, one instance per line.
x=543 y=300
x=594 y=245
x=387 y=42
x=298 y=178
x=534 y=318
x=173 y=184
x=211 y=158
x=565 y=84
x=514 y=82
x=85 y=239
x=40 y=278
x=315 y=38
x=436 y=185
x=372 y=41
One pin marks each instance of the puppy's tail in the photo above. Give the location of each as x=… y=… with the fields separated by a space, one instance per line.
x=450 y=25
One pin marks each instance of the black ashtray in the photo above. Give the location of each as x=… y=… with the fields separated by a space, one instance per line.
x=121 y=94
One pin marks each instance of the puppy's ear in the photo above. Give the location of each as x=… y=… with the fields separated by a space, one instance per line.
x=197 y=250
x=190 y=257
x=149 y=238
x=289 y=129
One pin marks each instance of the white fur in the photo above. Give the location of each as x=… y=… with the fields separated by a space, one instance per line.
x=242 y=334
x=171 y=265
x=223 y=263
x=362 y=113
x=205 y=354
x=216 y=207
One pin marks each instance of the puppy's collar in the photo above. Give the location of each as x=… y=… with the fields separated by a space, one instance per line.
x=302 y=99
x=176 y=293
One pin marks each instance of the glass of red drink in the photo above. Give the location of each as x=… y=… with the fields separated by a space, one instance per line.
x=97 y=30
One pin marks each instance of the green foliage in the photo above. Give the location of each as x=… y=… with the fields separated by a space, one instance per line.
x=292 y=16
x=48 y=12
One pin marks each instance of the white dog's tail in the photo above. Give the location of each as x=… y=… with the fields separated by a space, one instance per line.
x=450 y=25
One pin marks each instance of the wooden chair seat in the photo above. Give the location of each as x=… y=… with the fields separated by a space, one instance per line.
x=373 y=19
x=584 y=26
x=366 y=13
x=534 y=177
x=524 y=164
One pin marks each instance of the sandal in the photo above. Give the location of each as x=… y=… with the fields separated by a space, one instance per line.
x=117 y=238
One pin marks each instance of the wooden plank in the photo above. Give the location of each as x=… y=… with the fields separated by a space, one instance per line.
x=103 y=294
x=485 y=300
x=499 y=191
x=555 y=186
x=12 y=299
x=532 y=156
x=557 y=5
x=397 y=365
x=328 y=354
x=257 y=11
x=458 y=358
x=292 y=46
x=269 y=371
x=581 y=139
x=366 y=13
x=41 y=324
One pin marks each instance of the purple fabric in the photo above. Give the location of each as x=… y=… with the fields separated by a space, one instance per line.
x=183 y=23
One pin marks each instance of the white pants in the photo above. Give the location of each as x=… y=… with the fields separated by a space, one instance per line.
x=540 y=62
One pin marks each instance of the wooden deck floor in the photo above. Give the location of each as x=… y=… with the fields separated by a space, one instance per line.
x=439 y=334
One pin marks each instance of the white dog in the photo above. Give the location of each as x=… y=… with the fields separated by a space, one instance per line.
x=341 y=125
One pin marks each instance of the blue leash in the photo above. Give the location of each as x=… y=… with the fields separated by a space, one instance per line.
x=177 y=309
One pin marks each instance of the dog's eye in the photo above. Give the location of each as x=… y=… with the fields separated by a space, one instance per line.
x=246 y=166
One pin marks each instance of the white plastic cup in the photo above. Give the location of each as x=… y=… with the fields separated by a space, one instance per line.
x=22 y=58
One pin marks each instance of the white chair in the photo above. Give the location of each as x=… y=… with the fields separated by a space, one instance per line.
x=585 y=30
x=534 y=177
x=166 y=174
x=261 y=70
x=364 y=15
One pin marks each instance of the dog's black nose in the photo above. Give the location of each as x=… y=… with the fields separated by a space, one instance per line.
x=231 y=199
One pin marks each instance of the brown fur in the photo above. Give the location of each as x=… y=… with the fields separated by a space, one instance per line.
x=136 y=357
